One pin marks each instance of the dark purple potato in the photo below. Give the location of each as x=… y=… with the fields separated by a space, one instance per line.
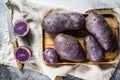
x=78 y=21
x=22 y=54
x=21 y=28
x=94 y=50
x=99 y=28
x=55 y=23
x=59 y=22
x=69 y=48
x=50 y=55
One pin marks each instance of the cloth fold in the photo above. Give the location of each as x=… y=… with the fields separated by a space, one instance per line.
x=33 y=14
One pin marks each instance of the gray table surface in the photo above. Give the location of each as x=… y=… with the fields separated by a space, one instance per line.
x=12 y=73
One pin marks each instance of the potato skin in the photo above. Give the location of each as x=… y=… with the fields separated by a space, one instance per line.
x=78 y=21
x=69 y=48
x=99 y=28
x=95 y=52
x=59 y=22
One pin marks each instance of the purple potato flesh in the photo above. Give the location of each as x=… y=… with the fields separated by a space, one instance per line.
x=94 y=50
x=21 y=28
x=59 y=22
x=69 y=48
x=50 y=55
x=22 y=54
x=99 y=28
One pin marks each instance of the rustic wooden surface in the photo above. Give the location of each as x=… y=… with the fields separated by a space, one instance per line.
x=48 y=41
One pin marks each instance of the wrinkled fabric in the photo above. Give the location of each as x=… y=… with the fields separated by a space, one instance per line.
x=33 y=12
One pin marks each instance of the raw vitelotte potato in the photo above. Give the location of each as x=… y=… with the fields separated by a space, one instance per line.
x=59 y=22
x=21 y=28
x=50 y=55
x=22 y=54
x=93 y=49
x=69 y=48
x=99 y=28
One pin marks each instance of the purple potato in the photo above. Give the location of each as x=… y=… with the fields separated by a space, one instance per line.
x=21 y=28
x=99 y=28
x=59 y=22
x=55 y=23
x=78 y=21
x=94 y=50
x=69 y=48
x=22 y=54
x=50 y=55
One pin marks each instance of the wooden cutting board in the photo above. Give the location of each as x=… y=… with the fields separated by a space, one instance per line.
x=15 y=46
x=48 y=41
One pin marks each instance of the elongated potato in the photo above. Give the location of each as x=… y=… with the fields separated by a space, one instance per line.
x=59 y=22
x=69 y=48
x=93 y=49
x=99 y=28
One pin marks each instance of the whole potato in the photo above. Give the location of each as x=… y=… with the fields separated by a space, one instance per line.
x=69 y=48
x=93 y=49
x=99 y=28
x=50 y=55
x=59 y=22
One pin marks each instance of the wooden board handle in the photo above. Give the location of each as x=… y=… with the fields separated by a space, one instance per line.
x=58 y=78
x=104 y=10
x=19 y=65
